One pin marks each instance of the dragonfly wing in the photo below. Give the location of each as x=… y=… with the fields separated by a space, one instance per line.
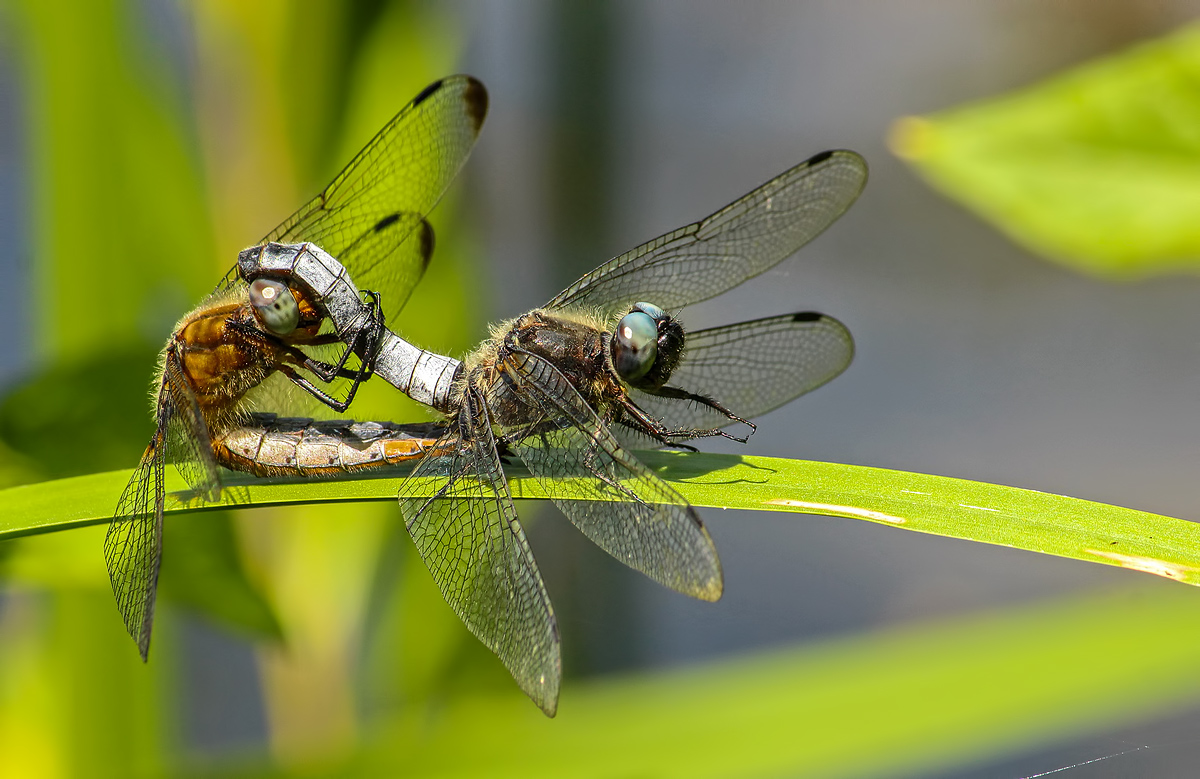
x=752 y=368
x=371 y=218
x=188 y=437
x=619 y=503
x=742 y=240
x=133 y=544
x=468 y=535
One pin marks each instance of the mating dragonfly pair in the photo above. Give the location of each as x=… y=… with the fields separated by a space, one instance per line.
x=567 y=389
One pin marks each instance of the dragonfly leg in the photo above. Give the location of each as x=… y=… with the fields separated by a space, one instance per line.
x=639 y=420
x=365 y=343
x=682 y=394
x=600 y=473
x=339 y=405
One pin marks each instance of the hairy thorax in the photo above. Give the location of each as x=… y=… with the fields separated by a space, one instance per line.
x=574 y=343
x=219 y=361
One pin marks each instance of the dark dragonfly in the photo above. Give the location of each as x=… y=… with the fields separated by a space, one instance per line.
x=269 y=343
x=567 y=388
x=607 y=364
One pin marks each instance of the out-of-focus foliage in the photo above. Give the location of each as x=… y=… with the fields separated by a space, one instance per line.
x=892 y=703
x=160 y=142
x=162 y=138
x=1097 y=168
x=903 y=702
x=99 y=402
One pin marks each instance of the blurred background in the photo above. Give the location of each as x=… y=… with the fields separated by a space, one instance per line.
x=144 y=142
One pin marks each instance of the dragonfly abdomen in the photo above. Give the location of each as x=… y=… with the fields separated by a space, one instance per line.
x=268 y=446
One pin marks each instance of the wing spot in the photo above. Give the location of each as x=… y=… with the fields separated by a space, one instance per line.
x=426 y=238
x=476 y=99
x=386 y=222
x=426 y=93
x=820 y=157
x=807 y=316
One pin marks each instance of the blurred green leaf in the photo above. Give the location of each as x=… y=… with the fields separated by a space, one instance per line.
x=121 y=233
x=101 y=405
x=908 y=701
x=1098 y=168
x=974 y=511
x=204 y=572
x=882 y=703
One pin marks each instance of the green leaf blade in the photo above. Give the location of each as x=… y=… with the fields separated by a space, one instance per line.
x=957 y=508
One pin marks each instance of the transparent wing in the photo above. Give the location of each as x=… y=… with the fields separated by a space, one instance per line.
x=188 y=438
x=133 y=544
x=752 y=368
x=743 y=239
x=278 y=395
x=470 y=539
x=615 y=500
x=372 y=217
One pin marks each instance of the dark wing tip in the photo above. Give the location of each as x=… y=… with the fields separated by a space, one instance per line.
x=428 y=91
x=807 y=316
x=426 y=238
x=844 y=157
x=386 y=222
x=475 y=97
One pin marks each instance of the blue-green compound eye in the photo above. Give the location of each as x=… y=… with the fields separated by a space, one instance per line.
x=635 y=345
x=275 y=306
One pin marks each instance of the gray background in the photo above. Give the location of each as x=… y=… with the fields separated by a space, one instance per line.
x=612 y=123
x=974 y=358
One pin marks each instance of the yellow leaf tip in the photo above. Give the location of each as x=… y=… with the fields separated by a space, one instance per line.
x=911 y=138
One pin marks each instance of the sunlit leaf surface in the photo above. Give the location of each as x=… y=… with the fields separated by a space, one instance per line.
x=975 y=511
x=1098 y=167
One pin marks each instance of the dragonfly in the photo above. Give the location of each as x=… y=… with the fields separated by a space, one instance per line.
x=262 y=344
x=569 y=388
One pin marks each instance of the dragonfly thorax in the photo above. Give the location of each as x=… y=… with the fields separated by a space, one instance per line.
x=574 y=345
x=219 y=360
x=577 y=346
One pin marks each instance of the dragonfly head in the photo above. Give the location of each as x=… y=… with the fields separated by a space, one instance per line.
x=274 y=306
x=646 y=346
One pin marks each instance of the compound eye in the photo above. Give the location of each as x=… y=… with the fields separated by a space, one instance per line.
x=275 y=306
x=635 y=345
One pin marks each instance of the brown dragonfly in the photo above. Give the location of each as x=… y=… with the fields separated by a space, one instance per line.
x=262 y=343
